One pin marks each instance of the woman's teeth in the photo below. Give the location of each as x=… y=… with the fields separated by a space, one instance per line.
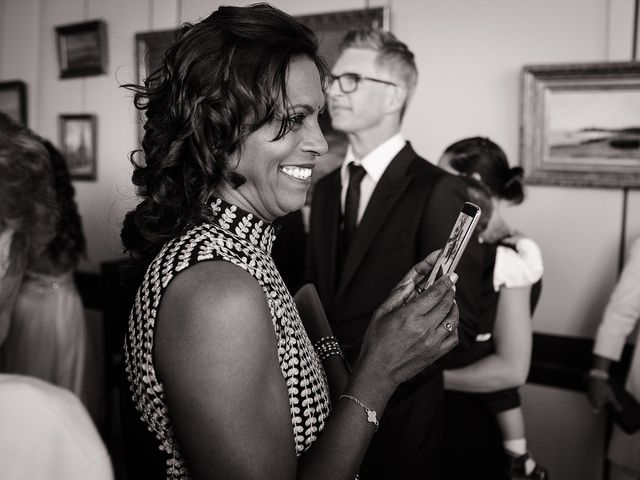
x=297 y=172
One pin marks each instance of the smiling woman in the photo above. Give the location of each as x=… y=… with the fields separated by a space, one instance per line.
x=278 y=183
x=225 y=381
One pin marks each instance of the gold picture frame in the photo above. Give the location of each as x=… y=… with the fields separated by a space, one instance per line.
x=580 y=124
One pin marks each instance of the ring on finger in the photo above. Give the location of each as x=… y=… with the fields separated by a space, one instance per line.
x=448 y=326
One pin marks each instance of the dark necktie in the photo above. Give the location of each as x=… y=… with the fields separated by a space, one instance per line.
x=351 y=203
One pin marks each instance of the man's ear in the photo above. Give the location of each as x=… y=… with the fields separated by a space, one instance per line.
x=397 y=98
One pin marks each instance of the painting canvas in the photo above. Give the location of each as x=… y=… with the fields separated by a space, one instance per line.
x=78 y=145
x=581 y=125
x=595 y=125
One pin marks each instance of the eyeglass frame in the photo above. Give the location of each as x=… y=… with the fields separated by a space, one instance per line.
x=358 y=78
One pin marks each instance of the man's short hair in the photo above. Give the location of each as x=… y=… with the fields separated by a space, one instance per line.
x=392 y=54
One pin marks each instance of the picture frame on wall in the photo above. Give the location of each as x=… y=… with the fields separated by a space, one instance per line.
x=580 y=124
x=78 y=144
x=82 y=49
x=13 y=100
x=150 y=49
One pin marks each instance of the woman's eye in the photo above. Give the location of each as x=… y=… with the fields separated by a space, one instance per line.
x=297 y=119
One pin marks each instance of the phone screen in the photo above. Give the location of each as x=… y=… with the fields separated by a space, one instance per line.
x=456 y=243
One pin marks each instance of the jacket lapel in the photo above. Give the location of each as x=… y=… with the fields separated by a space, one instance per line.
x=391 y=186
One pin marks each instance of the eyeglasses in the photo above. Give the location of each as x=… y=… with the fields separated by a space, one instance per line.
x=348 y=82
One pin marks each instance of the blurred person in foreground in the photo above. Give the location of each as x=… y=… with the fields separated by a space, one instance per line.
x=371 y=219
x=48 y=316
x=224 y=380
x=485 y=385
x=620 y=318
x=46 y=432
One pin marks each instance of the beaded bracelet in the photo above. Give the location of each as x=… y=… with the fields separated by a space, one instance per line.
x=326 y=347
x=372 y=417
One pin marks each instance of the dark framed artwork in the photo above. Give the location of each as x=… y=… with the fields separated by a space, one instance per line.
x=82 y=49
x=580 y=124
x=150 y=49
x=330 y=28
x=78 y=144
x=13 y=100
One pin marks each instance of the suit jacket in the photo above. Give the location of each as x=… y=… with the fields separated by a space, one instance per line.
x=411 y=213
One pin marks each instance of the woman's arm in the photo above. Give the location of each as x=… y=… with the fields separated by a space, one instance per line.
x=216 y=354
x=508 y=367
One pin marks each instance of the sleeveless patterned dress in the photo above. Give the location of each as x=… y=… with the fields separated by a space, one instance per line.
x=240 y=238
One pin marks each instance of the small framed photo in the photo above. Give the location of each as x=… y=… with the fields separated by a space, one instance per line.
x=78 y=145
x=82 y=49
x=580 y=124
x=13 y=100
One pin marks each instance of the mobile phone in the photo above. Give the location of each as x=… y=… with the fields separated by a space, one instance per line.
x=460 y=234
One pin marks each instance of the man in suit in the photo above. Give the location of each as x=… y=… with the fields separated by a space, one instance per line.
x=404 y=208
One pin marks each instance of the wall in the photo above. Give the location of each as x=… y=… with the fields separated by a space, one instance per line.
x=469 y=55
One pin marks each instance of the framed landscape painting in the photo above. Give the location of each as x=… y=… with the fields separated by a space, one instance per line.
x=580 y=124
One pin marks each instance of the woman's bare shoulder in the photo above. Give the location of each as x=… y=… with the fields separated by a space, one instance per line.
x=211 y=306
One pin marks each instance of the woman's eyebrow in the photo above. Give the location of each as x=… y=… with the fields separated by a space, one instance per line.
x=305 y=106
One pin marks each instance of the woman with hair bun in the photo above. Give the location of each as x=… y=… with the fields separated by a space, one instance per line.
x=224 y=381
x=500 y=361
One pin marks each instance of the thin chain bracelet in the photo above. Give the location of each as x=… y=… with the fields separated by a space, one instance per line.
x=372 y=416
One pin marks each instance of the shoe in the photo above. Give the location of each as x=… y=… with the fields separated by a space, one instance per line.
x=516 y=469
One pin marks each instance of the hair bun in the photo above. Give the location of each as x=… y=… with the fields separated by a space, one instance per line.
x=517 y=172
x=513 y=188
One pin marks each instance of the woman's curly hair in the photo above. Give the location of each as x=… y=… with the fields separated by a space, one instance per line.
x=484 y=157
x=68 y=244
x=221 y=80
x=28 y=203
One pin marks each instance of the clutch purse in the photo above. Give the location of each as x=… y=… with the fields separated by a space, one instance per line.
x=628 y=415
x=317 y=326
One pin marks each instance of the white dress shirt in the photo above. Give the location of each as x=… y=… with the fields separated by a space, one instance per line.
x=374 y=164
x=620 y=318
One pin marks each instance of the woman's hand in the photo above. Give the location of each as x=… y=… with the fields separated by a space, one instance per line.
x=411 y=330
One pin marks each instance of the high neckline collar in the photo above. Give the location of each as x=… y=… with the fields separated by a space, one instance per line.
x=243 y=225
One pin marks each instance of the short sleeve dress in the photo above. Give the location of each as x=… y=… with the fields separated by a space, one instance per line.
x=238 y=237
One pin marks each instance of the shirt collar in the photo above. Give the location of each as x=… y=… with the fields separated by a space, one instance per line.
x=377 y=160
